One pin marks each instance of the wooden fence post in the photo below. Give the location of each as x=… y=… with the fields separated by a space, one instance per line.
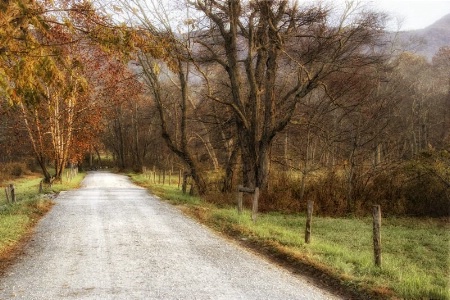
x=179 y=178
x=164 y=176
x=41 y=187
x=159 y=177
x=255 y=204
x=308 y=221
x=12 y=192
x=170 y=175
x=376 y=212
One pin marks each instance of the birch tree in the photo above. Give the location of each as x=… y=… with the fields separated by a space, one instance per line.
x=41 y=70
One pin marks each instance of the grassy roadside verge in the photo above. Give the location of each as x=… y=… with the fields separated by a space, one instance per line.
x=416 y=252
x=17 y=220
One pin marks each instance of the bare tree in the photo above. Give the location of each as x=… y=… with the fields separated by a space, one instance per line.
x=153 y=19
x=251 y=40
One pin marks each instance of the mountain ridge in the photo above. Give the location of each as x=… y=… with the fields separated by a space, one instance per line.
x=426 y=41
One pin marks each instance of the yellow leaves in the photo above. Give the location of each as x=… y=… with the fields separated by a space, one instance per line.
x=5 y=90
x=156 y=68
x=83 y=85
x=157 y=46
x=408 y=58
x=69 y=25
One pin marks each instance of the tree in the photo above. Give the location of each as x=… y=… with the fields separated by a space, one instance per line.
x=172 y=57
x=250 y=41
x=421 y=90
x=42 y=72
x=441 y=70
x=52 y=111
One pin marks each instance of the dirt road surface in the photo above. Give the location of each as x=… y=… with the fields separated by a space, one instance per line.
x=112 y=240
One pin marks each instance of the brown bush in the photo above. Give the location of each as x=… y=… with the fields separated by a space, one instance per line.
x=418 y=187
x=14 y=169
x=415 y=188
x=220 y=199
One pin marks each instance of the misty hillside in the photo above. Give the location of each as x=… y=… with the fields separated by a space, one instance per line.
x=426 y=41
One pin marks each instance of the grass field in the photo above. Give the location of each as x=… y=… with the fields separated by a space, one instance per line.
x=17 y=219
x=415 y=252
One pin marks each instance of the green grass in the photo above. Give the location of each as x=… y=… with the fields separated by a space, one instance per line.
x=17 y=219
x=28 y=187
x=415 y=252
x=25 y=188
x=12 y=228
x=168 y=192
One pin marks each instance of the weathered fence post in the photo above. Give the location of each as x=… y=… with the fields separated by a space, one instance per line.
x=376 y=212
x=240 y=191
x=12 y=192
x=309 y=213
x=41 y=187
x=179 y=178
x=255 y=204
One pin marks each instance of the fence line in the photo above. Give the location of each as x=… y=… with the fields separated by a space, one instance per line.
x=166 y=177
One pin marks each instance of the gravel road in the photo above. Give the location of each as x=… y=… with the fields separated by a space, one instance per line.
x=112 y=240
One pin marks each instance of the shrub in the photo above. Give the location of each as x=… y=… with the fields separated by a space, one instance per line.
x=17 y=170
x=426 y=192
x=419 y=187
x=14 y=169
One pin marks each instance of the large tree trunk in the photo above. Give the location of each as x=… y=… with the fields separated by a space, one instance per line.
x=263 y=169
x=230 y=169
x=248 y=160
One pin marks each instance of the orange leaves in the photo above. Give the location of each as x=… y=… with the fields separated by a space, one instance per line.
x=52 y=53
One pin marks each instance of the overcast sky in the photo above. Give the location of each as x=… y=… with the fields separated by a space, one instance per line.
x=415 y=14
x=410 y=14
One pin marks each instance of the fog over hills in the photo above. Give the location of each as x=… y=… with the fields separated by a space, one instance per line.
x=426 y=41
